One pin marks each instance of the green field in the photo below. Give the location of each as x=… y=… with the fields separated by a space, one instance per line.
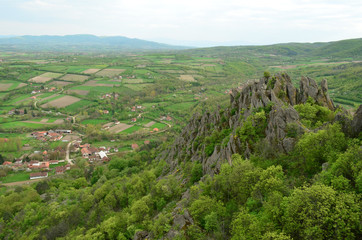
x=159 y=126
x=57 y=165
x=78 y=105
x=15 y=177
x=181 y=106
x=10 y=125
x=94 y=121
x=130 y=130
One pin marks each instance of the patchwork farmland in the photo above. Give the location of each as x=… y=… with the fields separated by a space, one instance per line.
x=61 y=102
x=45 y=77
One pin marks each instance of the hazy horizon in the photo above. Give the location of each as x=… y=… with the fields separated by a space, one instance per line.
x=189 y=23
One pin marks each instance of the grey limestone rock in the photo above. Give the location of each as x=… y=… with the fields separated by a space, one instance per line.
x=253 y=95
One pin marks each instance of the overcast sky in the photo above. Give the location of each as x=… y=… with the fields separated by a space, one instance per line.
x=202 y=22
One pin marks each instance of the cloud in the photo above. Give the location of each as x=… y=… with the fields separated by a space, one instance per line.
x=258 y=21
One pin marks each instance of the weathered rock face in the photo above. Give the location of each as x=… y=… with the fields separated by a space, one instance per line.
x=357 y=122
x=275 y=95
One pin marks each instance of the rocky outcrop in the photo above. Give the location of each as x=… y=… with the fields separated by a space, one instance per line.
x=357 y=122
x=274 y=95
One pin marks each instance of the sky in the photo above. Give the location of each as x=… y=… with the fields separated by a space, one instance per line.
x=188 y=22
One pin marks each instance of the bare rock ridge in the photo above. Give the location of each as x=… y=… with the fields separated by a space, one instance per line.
x=275 y=95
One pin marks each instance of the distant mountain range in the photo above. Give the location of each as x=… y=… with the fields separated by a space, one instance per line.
x=80 y=42
x=344 y=48
x=92 y=43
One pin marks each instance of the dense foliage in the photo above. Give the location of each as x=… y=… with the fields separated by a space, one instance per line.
x=280 y=197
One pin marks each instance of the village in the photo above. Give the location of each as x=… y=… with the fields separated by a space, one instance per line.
x=46 y=163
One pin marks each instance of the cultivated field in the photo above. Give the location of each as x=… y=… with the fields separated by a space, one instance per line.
x=91 y=71
x=49 y=97
x=110 y=72
x=77 y=91
x=150 y=124
x=187 y=78
x=60 y=83
x=61 y=102
x=132 y=81
x=5 y=86
x=119 y=128
x=21 y=85
x=93 y=83
x=74 y=78
x=45 y=77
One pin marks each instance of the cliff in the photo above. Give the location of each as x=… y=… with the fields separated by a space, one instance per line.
x=213 y=138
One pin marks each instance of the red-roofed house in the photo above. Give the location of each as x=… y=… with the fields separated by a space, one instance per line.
x=38 y=175
x=134 y=146
x=85 y=152
x=155 y=130
x=7 y=163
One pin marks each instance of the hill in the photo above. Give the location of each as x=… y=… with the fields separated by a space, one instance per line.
x=278 y=163
x=80 y=43
x=345 y=48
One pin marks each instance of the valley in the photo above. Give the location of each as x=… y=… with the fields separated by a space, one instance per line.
x=212 y=143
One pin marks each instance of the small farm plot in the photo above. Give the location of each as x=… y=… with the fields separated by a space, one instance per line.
x=78 y=91
x=60 y=83
x=74 y=78
x=93 y=121
x=158 y=125
x=5 y=86
x=137 y=87
x=102 y=83
x=61 y=102
x=45 y=77
x=187 y=78
x=119 y=128
x=110 y=72
x=91 y=71
x=132 y=80
x=75 y=107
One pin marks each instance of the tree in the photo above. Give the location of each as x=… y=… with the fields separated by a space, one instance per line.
x=319 y=212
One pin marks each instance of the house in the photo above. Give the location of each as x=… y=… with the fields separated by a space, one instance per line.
x=105 y=111
x=105 y=149
x=33 y=97
x=38 y=165
x=102 y=154
x=63 y=131
x=62 y=169
x=34 y=163
x=38 y=175
x=115 y=149
x=6 y=163
x=168 y=118
x=134 y=120
x=134 y=146
x=11 y=112
x=53 y=162
x=93 y=158
x=86 y=145
x=133 y=109
x=18 y=161
x=155 y=129
x=85 y=152
x=146 y=142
